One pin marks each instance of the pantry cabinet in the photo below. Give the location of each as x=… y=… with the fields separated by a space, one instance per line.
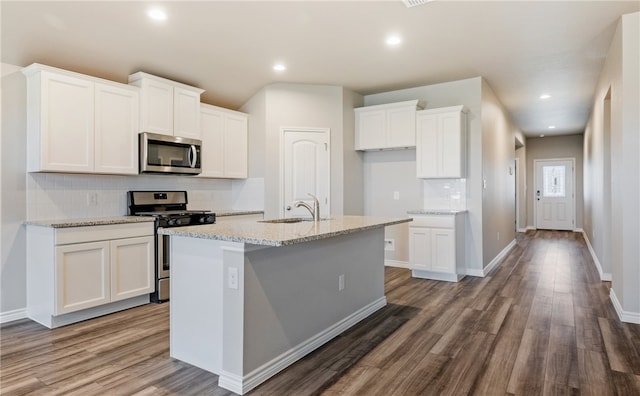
x=224 y=142
x=387 y=126
x=436 y=246
x=168 y=107
x=441 y=143
x=76 y=273
x=79 y=124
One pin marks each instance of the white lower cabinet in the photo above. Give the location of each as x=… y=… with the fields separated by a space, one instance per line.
x=436 y=247
x=77 y=273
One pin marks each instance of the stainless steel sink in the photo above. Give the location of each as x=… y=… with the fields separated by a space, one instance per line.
x=288 y=220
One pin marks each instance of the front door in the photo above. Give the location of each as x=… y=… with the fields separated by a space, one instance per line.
x=554 y=194
x=305 y=170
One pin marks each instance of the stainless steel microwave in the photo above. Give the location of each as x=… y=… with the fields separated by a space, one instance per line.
x=169 y=154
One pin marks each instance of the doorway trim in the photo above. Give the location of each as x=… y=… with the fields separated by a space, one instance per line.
x=283 y=130
x=535 y=180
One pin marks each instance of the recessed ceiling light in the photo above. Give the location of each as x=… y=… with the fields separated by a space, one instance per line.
x=552 y=127
x=279 y=67
x=542 y=135
x=545 y=96
x=157 y=14
x=393 y=40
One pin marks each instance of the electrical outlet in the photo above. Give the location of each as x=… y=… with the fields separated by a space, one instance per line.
x=232 y=278
x=341 y=282
x=390 y=245
x=498 y=235
x=396 y=195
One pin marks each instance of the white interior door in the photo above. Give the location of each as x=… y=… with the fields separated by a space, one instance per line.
x=305 y=170
x=554 y=195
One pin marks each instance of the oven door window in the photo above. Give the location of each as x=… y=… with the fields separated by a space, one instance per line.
x=173 y=154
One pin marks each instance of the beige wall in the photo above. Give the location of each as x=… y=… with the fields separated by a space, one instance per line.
x=551 y=148
x=612 y=169
x=498 y=161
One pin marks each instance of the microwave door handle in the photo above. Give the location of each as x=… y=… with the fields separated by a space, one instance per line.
x=193 y=156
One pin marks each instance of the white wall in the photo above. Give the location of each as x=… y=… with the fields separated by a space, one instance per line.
x=550 y=147
x=611 y=146
x=302 y=105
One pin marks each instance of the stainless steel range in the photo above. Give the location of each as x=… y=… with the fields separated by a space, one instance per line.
x=170 y=210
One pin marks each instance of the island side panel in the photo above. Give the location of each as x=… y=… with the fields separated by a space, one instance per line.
x=196 y=302
x=292 y=294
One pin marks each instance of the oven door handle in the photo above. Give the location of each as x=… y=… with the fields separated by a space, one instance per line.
x=193 y=156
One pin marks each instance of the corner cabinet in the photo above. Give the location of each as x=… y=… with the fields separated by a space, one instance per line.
x=387 y=126
x=168 y=107
x=436 y=247
x=80 y=124
x=441 y=136
x=77 y=273
x=224 y=142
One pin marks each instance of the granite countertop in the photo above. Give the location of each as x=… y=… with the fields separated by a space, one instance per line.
x=223 y=213
x=435 y=211
x=282 y=234
x=89 y=221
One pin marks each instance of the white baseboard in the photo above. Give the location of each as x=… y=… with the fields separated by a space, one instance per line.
x=604 y=276
x=522 y=229
x=625 y=316
x=243 y=385
x=396 y=263
x=494 y=263
x=10 y=316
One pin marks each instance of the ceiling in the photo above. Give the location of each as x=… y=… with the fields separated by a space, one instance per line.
x=523 y=49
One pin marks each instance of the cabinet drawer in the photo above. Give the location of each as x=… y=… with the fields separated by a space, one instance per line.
x=433 y=221
x=66 y=236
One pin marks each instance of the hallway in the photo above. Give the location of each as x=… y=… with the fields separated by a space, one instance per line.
x=541 y=323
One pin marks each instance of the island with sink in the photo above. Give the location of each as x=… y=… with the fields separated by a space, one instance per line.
x=250 y=298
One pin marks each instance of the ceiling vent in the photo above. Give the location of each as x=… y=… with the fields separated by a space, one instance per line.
x=413 y=3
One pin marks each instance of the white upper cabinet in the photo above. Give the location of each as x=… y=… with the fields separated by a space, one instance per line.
x=80 y=124
x=116 y=129
x=224 y=143
x=441 y=143
x=388 y=126
x=168 y=107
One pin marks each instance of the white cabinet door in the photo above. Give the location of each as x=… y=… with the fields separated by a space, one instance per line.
x=451 y=145
x=132 y=267
x=212 y=152
x=426 y=146
x=441 y=143
x=224 y=143
x=116 y=130
x=186 y=113
x=371 y=129
x=81 y=276
x=235 y=146
x=66 y=124
x=420 y=248
x=401 y=127
x=156 y=102
x=443 y=250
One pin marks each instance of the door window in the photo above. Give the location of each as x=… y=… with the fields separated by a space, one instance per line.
x=553 y=181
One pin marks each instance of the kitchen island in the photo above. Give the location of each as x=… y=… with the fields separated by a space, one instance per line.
x=249 y=299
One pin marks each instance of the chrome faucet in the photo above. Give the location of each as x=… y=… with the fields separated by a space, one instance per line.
x=315 y=211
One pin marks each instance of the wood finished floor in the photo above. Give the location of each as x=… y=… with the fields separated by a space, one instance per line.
x=540 y=324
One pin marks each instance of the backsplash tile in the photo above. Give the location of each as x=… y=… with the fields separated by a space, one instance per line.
x=64 y=196
x=448 y=194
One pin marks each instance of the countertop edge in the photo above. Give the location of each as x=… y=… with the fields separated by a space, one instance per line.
x=89 y=222
x=279 y=242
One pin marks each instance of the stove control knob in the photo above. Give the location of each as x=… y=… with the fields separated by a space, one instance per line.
x=210 y=219
x=171 y=222
x=203 y=219
x=179 y=221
